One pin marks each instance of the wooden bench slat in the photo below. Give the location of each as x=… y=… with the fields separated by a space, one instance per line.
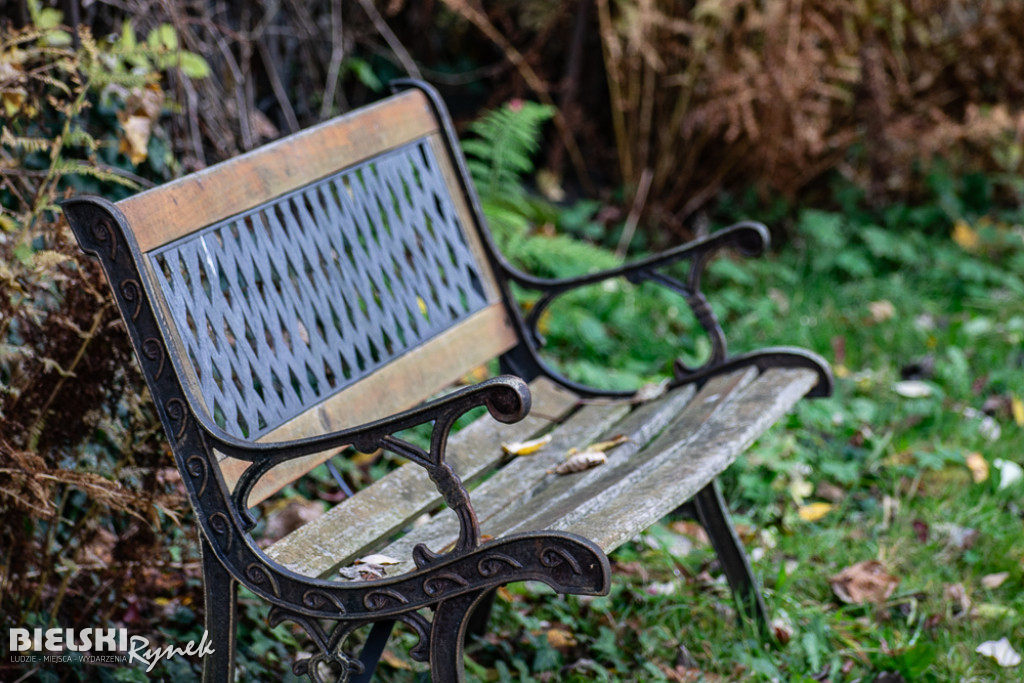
x=349 y=529
x=523 y=492
x=178 y=208
x=515 y=479
x=583 y=491
x=679 y=471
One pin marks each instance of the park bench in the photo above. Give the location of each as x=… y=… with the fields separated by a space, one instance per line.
x=314 y=297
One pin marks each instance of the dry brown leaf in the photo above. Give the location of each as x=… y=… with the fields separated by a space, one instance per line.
x=395 y=662
x=288 y=517
x=864 y=582
x=956 y=596
x=692 y=530
x=561 y=638
x=579 y=462
x=526 y=447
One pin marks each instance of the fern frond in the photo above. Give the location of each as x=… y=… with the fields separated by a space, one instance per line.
x=30 y=145
x=72 y=167
x=54 y=83
x=506 y=140
x=77 y=137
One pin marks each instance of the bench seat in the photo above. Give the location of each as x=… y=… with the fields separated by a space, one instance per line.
x=677 y=444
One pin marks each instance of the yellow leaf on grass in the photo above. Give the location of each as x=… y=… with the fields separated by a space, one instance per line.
x=965 y=236
x=814 y=511
x=1017 y=406
x=978 y=466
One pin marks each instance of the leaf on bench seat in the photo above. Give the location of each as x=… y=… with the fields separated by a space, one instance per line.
x=578 y=462
x=526 y=447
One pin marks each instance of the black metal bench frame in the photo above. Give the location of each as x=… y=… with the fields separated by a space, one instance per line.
x=451 y=583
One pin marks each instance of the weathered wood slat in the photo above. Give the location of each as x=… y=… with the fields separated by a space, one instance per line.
x=176 y=209
x=679 y=471
x=575 y=494
x=515 y=479
x=524 y=495
x=349 y=529
x=428 y=368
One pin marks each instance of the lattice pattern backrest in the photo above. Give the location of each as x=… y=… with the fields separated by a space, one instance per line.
x=284 y=305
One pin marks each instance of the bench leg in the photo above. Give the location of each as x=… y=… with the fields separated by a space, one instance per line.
x=714 y=517
x=448 y=636
x=373 y=649
x=220 y=592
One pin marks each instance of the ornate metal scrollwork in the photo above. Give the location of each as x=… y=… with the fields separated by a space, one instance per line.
x=196 y=466
x=552 y=557
x=153 y=349
x=131 y=293
x=329 y=657
x=491 y=565
x=177 y=412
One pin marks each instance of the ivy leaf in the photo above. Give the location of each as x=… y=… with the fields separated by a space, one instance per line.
x=163 y=36
x=193 y=66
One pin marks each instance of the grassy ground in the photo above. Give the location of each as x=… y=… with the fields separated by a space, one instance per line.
x=905 y=465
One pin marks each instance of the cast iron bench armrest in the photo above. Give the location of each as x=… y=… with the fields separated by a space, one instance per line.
x=506 y=398
x=748 y=238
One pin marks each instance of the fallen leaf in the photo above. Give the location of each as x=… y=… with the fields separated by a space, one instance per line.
x=394 y=661
x=988 y=428
x=561 y=638
x=913 y=388
x=960 y=603
x=959 y=537
x=920 y=530
x=965 y=236
x=423 y=306
x=993 y=581
x=814 y=511
x=579 y=462
x=800 y=488
x=989 y=610
x=830 y=492
x=135 y=141
x=526 y=447
x=882 y=310
x=1017 y=408
x=378 y=559
x=1001 y=651
x=1009 y=472
x=650 y=391
x=287 y=518
x=692 y=530
x=864 y=582
x=363 y=572
x=611 y=443
x=978 y=466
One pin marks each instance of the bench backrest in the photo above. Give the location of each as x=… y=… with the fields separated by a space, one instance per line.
x=333 y=277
